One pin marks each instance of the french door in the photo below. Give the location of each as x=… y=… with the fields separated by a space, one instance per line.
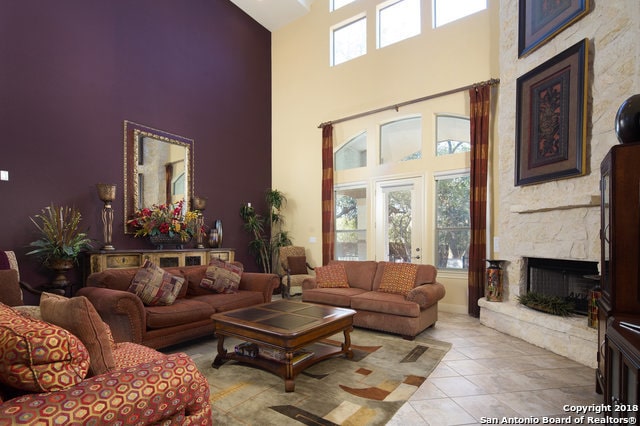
x=399 y=220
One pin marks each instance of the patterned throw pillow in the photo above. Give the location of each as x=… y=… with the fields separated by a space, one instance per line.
x=154 y=286
x=36 y=356
x=78 y=316
x=398 y=278
x=332 y=276
x=297 y=265
x=222 y=277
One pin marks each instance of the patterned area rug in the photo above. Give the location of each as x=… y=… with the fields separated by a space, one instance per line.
x=367 y=390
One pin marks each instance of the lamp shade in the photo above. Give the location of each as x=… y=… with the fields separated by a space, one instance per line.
x=106 y=191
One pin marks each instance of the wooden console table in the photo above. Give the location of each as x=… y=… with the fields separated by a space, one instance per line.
x=97 y=261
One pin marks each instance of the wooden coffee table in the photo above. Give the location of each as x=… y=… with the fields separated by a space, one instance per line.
x=284 y=337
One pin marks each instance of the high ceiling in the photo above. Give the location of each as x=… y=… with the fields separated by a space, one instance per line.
x=273 y=14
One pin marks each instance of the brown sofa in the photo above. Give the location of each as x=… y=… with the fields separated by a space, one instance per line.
x=390 y=312
x=187 y=318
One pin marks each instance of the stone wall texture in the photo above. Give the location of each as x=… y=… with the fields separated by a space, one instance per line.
x=561 y=219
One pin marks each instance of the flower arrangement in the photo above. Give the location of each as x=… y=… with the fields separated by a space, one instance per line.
x=165 y=219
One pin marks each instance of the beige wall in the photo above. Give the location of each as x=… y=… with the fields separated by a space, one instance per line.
x=307 y=91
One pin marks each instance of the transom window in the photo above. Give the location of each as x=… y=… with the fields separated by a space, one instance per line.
x=352 y=154
x=453 y=134
x=398 y=20
x=349 y=40
x=445 y=11
x=401 y=140
x=337 y=4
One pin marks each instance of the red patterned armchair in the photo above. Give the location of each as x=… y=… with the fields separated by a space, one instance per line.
x=69 y=371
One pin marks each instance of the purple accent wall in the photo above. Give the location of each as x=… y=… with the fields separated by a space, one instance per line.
x=71 y=72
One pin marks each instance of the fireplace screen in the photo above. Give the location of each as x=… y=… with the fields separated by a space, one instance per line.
x=567 y=279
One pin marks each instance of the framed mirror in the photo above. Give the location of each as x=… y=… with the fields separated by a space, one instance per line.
x=158 y=169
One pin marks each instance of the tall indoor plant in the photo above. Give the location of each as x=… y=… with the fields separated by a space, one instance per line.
x=267 y=233
x=61 y=240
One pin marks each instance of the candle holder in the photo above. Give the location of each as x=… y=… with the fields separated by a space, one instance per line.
x=199 y=204
x=107 y=193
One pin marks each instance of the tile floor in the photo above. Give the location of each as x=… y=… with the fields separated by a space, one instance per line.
x=488 y=376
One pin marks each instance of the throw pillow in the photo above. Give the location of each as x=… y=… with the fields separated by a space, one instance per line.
x=222 y=277
x=36 y=356
x=78 y=316
x=154 y=286
x=332 y=276
x=398 y=278
x=297 y=265
x=11 y=292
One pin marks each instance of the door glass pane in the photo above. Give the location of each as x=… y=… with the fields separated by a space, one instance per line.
x=351 y=223
x=399 y=215
x=452 y=222
x=352 y=154
x=401 y=140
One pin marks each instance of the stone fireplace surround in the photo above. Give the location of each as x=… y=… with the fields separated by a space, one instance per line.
x=570 y=337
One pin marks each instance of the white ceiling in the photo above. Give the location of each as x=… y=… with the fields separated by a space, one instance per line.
x=274 y=14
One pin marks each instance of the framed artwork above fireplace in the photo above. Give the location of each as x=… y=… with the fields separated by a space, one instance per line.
x=551 y=118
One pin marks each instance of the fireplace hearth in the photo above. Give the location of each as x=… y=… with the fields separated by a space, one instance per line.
x=568 y=279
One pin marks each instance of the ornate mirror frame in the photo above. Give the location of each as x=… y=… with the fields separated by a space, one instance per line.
x=133 y=141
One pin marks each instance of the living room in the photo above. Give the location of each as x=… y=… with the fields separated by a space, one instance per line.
x=252 y=100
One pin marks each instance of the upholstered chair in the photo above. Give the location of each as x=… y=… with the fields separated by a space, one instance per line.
x=293 y=270
x=10 y=285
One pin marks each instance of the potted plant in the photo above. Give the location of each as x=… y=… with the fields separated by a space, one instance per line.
x=61 y=240
x=267 y=233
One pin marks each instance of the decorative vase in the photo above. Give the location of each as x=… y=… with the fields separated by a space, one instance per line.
x=161 y=240
x=627 y=123
x=218 y=226
x=493 y=289
x=61 y=267
x=213 y=238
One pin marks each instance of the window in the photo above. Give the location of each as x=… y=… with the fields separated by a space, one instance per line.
x=452 y=221
x=445 y=11
x=337 y=4
x=349 y=41
x=351 y=223
x=453 y=134
x=401 y=140
x=352 y=154
x=398 y=20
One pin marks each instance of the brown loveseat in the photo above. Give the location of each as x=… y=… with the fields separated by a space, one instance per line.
x=188 y=317
x=405 y=314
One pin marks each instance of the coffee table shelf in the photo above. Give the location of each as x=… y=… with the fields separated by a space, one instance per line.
x=288 y=327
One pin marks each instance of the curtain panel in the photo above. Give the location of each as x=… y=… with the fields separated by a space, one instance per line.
x=480 y=107
x=328 y=225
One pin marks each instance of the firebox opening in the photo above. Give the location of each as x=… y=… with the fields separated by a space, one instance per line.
x=567 y=279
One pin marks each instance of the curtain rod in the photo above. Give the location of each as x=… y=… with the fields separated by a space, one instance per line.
x=491 y=82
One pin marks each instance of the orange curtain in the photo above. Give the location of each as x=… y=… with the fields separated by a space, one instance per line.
x=480 y=107
x=328 y=226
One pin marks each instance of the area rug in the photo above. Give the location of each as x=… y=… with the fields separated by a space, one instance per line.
x=366 y=390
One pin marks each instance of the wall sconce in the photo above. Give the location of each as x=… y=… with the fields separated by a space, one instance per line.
x=107 y=193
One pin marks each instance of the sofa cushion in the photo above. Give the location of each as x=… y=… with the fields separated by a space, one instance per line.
x=386 y=303
x=222 y=277
x=227 y=302
x=360 y=273
x=332 y=276
x=154 y=286
x=340 y=297
x=297 y=265
x=79 y=316
x=36 y=356
x=398 y=278
x=182 y=311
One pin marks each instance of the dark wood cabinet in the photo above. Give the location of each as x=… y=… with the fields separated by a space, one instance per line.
x=620 y=268
x=623 y=364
